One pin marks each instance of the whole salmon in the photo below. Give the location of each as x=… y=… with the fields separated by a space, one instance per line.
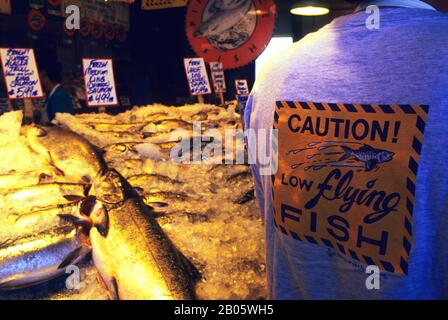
x=74 y=157
x=39 y=257
x=132 y=254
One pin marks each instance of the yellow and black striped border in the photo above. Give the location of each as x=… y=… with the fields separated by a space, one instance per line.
x=419 y=112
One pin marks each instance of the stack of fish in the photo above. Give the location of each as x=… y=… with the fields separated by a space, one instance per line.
x=208 y=210
x=52 y=220
x=157 y=229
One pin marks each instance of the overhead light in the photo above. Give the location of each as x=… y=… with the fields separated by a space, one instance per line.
x=310 y=8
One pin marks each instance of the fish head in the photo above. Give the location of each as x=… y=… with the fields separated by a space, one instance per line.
x=110 y=188
x=385 y=156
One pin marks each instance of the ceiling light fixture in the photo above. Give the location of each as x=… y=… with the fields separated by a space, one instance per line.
x=310 y=8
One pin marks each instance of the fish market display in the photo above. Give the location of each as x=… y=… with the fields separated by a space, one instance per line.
x=157 y=227
x=133 y=256
x=37 y=238
x=207 y=210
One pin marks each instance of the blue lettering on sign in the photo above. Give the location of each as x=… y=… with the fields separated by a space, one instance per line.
x=198 y=80
x=218 y=77
x=99 y=87
x=21 y=79
x=241 y=87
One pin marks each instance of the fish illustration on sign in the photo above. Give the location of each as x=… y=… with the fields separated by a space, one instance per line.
x=220 y=20
x=233 y=32
x=369 y=155
x=223 y=17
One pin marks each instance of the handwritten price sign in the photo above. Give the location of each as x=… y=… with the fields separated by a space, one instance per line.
x=99 y=82
x=242 y=87
x=197 y=76
x=20 y=72
x=219 y=82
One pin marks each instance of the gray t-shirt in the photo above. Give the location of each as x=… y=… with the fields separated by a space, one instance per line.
x=370 y=107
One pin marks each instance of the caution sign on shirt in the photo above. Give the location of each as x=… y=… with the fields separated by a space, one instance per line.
x=347 y=176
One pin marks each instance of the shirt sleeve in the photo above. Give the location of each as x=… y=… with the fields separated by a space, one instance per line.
x=252 y=150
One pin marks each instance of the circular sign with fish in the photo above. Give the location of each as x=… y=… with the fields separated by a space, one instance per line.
x=233 y=32
x=36 y=20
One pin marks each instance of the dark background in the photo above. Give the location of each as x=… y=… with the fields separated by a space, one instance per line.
x=149 y=66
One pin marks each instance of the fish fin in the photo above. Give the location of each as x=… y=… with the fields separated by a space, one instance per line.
x=57 y=171
x=97 y=214
x=100 y=151
x=193 y=272
x=157 y=204
x=73 y=257
x=112 y=291
x=76 y=220
x=366 y=147
x=29 y=282
x=348 y=153
x=73 y=198
x=371 y=164
x=246 y=197
x=45 y=178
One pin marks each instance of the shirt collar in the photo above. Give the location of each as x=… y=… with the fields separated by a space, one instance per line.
x=414 y=4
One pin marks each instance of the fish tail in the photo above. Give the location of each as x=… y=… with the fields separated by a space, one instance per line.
x=348 y=153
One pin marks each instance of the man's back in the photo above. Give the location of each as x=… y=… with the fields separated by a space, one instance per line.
x=362 y=151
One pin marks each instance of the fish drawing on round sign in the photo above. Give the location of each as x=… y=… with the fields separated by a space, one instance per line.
x=227 y=23
x=233 y=32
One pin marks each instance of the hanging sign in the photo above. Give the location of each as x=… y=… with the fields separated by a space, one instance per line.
x=54 y=7
x=85 y=27
x=36 y=20
x=162 y=4
x=20 y=73
x=36 y=4
x=5 y=6
x=218 y=79
x=97 y=30
x=109 y=32
x=99 y=82
x=197 y=76
x=232 y=32
x=241 y=87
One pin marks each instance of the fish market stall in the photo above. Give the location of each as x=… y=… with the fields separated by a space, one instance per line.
x=210 y=237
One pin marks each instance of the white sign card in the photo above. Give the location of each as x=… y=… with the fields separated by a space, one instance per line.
x=20 y=73
x=99 y=82
x=241 y=87
x=197 y=76
x=219 y=82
